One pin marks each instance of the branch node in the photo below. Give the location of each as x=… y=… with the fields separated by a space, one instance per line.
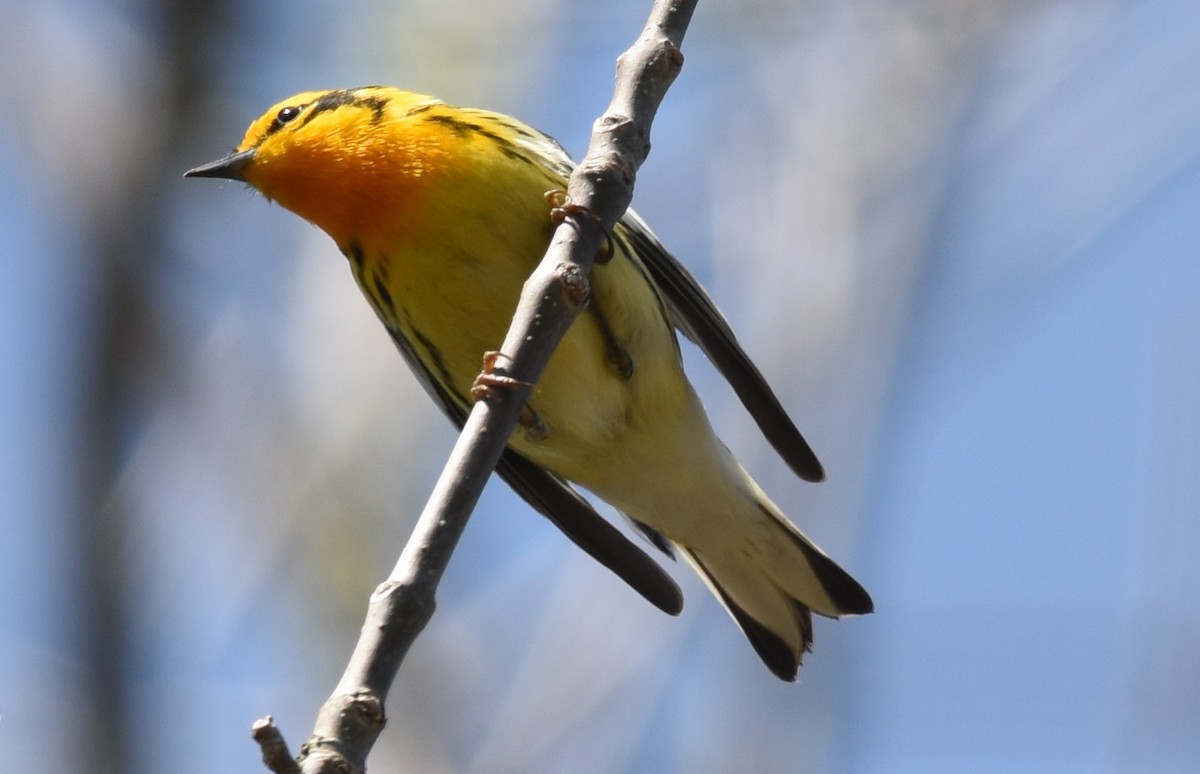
x=612 y=122
x=369 y=710
x=323 y=755
x=675 y=55
x=575 y=284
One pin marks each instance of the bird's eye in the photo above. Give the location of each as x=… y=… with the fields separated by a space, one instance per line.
x=287 y=114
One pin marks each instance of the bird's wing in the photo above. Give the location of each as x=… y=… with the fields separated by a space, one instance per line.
x=555 y=499
x=695 y=314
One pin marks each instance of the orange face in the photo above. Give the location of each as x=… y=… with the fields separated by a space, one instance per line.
x=348 y=160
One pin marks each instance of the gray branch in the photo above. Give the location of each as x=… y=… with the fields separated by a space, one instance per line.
x=599 y=192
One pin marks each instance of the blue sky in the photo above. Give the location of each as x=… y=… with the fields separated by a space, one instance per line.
x=961 y=242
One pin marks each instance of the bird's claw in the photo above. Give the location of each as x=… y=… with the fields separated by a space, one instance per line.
x=563 y=207
x=485 y=384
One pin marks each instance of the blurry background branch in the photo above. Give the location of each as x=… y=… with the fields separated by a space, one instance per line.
x=125 y=217
x=599 y=192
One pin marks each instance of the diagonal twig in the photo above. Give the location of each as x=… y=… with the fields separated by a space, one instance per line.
x=599 y=192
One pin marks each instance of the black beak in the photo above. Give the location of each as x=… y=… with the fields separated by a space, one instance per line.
x=230 y=167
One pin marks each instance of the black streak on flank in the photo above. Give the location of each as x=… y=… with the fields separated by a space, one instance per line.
x=334 y=100
x=435 y=357
x=355 y=253
x=382 y=295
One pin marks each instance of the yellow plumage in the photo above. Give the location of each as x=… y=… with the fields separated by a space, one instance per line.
x=442 y=214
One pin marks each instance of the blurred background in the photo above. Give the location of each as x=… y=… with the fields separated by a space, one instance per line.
x=960 y=238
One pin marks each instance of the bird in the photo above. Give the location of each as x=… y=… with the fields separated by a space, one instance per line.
x=442 y=214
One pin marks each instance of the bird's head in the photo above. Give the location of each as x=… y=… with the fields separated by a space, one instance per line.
x=343 y=159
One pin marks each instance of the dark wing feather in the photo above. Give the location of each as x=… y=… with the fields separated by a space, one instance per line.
x=554 y=498
x=695 y=314
x=567 y=510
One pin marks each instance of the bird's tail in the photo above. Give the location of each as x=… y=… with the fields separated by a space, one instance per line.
x=772 y=589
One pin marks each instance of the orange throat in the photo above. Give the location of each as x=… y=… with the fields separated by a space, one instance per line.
x=361 y=194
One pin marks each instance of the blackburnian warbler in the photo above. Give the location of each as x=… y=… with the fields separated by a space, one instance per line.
x=442 y=213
